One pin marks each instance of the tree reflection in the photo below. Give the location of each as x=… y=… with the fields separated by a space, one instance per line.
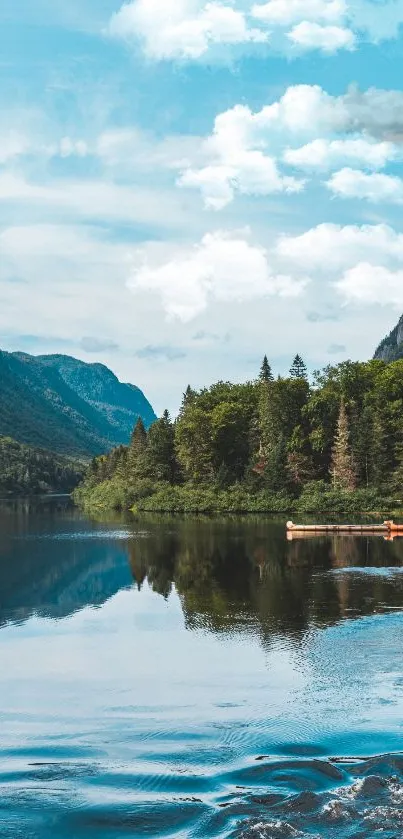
x=233 y=574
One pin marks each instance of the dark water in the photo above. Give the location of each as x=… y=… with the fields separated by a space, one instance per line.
x=184 y=678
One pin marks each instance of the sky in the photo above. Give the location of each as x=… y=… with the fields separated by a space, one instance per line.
x=187 y=185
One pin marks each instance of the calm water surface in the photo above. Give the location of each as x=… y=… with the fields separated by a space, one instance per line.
x=197 y=678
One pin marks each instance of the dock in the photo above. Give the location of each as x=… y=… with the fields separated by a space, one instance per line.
x=387 y=528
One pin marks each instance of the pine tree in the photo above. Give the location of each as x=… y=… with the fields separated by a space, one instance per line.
x=381 y=460
x=265 y=374
x=298 y=369
x=137 y=449
x=276 y=473
x=342 y=467
x=187 y=399
x=161 y=456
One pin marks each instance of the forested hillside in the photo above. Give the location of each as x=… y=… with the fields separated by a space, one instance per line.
x=67 y=406
x=26 y=471
x=273 y=443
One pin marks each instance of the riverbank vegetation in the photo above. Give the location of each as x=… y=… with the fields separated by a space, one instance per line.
x=28 y=471
x=271 y=445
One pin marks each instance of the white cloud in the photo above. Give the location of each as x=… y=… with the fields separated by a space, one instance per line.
x=189 y=29
x=364 y=264
x=249 y=173
x=182 y=29
x=223 y=267
x=366 y=283
x=242 y=153
x=352 y=183
x=309 y=35
x=333 y=247
x=328 y=154
x=286 y=12
x=216 y=184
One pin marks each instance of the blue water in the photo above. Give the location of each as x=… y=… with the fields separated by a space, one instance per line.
x=197 y=678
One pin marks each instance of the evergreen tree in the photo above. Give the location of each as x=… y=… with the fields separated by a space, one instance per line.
x=161 y=457
x=300 y=465
x=381 y=461
x=298 y=369
x=137 y=449
x=269 y=411
x=396 y=483
x=276 y=473
x=187 y=399
x=362 y=441
x=265 y=374
x=121 y=464
x=342 y=468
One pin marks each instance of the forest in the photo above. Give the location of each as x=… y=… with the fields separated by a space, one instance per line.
x=29 y=471
x=279 y=443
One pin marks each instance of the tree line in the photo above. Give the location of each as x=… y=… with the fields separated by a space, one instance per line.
x=280 y=437
x=29 y=471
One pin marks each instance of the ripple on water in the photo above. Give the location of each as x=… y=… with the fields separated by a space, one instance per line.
x=116 y=535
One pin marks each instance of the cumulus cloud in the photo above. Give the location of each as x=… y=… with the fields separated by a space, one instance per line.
x=245 y=150
x=309 y=35
x=364 y=264
x=223 y=267
x=352 y=183
x=189 y=29
x=327 y=154
x=182 y=29
x=250 y=173
x=286 y=12
x=333 y=247
x=366 y=283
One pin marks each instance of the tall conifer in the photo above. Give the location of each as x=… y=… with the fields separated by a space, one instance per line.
x=298 y=368
x=342 y=468
x=137 y=448
x=265 y=374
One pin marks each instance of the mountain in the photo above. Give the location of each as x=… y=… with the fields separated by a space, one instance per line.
x=64 y=405
x=391 y=348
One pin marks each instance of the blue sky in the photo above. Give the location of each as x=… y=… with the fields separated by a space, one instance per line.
x=187 y=185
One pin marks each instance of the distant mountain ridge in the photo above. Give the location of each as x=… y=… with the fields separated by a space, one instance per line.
x=391 y=348
x=65 y=405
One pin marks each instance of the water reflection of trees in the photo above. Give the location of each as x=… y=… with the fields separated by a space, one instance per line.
x=229 y=573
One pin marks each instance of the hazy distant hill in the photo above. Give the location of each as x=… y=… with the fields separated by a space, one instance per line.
x=391 y=348
x=28 y=471
x=65 y=405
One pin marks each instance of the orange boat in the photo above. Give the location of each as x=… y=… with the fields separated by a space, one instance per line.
x=387 y=527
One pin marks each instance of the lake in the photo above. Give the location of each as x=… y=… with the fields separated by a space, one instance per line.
x=182 y=677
